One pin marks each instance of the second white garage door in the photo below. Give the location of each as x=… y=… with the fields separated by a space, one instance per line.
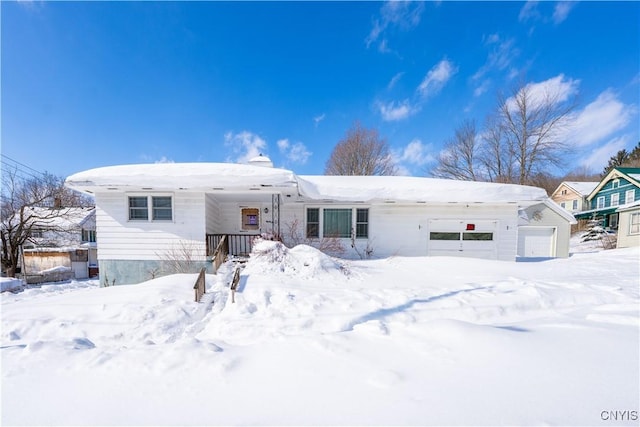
x=536 y=242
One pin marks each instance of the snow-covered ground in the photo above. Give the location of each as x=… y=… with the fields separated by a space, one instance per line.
x=312 y=340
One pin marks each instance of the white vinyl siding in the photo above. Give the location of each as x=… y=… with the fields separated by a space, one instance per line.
x=121 y=239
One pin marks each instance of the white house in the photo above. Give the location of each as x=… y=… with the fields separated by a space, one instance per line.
x=629 y=225
x=61 y=246
x=148 y=213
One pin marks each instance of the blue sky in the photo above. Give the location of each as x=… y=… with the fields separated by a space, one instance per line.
x=88 y=84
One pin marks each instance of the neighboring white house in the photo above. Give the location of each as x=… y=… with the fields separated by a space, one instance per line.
x=629 y=225
x=148 y=213
x=61 y=246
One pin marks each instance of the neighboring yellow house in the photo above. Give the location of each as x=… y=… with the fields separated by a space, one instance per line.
x=629 y=225
x=572 y=196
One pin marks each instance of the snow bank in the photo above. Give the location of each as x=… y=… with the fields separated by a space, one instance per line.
x=9 y=283
x=399 y=341
x=302 y=261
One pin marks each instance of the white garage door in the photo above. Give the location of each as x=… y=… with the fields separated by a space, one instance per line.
x=468 y=238
x=536 y=242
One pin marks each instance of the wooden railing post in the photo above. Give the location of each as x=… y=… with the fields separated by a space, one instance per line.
x=199 y=287
x=234 y=284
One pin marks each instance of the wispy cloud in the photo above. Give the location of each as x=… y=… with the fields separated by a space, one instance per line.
x=395 y=79
x=244 y=145
x=394 y=111
x=164 y=159
x=600 y=120
x=561 y=11
x=531 y=12
x=403 y=15
x=415 y=154
x=557 y=89
x=598 y=157
x=501 y=55
x=294 y=153
x=436 y=78
x=318 y=119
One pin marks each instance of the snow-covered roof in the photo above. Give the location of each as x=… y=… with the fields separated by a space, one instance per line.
x=190 y=176
x=61 y=218
x=405 y=188
x=239 y=177
x=582 y=188
x=629 y=206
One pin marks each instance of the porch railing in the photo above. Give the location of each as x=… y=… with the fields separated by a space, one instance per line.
x=236 y=244
x=199 y=286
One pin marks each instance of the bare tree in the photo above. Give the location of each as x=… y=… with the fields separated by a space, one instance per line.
x=361 y=152
x=521 y=140
x=532 y=122
x=460 y=157
x=28 y=205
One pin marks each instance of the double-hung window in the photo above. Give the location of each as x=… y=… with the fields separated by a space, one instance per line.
x=158 y=208
x=162 y=210
x=362 y=223
x=629 y=196
x=138 y=208
x=615 y=199
x=574 y=206
x=88 y=235
x=313 y=223
x=634 y=223
x=600 y=202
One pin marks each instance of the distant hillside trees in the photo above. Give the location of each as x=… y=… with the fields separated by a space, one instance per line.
x=623 y=158
x=522 y=138
x=19 y=221
x=361 y=152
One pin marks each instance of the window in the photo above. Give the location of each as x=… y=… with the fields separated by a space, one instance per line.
x=313 y=223
x=36 y=234
x=564 y=192
x=88 y=235
x=138 y=209
x=615 y=183
x=162 y=210
x=630 y=196
x=336 y=223
x=362 y=223
x=613 y=221
x=600 y=202
x=440 y=235
x=634 y=223
x=615 y=199
x=562 y=205
x=575 y=205
x=250 y=219
x=477 y=236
